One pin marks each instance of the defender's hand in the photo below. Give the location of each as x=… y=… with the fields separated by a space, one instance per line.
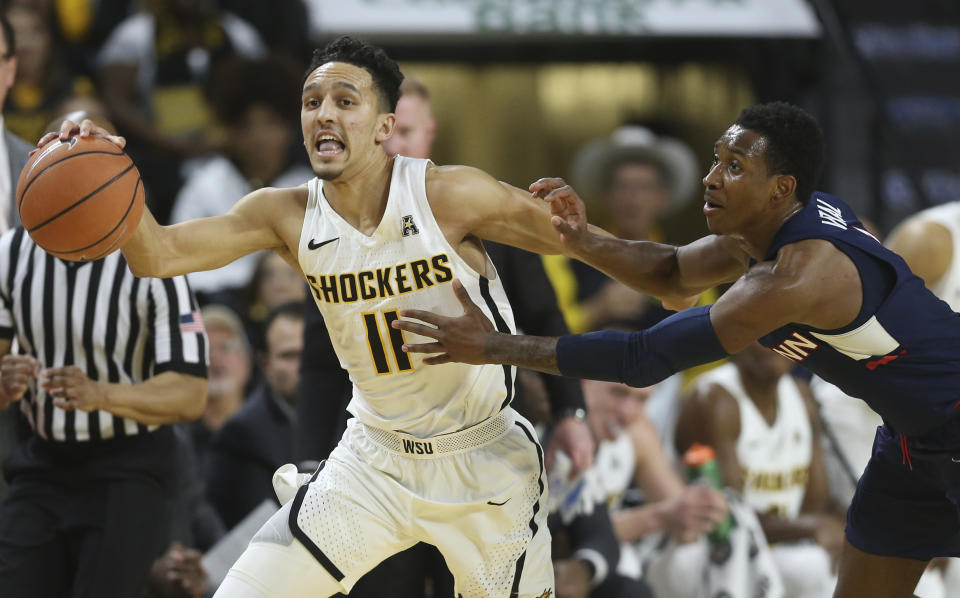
x=569 y=214
x=16 y=372
x=87 y=128
x=71 y=389
x=457 y=339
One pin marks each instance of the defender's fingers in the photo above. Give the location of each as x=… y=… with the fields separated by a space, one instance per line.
x=438 y=360
x=541 y=187
x=416 y=328
x=424 y=316
x=463 y=296
x=565 y=195
x=560 y=225
x=423 y=348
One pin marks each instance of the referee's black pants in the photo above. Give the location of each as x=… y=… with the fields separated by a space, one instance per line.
x=85 y=521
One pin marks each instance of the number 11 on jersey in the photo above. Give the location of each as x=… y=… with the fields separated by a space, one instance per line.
x=375 y=340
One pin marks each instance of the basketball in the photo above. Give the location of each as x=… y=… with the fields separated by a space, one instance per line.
x=81 y=199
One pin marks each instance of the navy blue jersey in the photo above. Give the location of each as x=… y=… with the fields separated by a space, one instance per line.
x=902 y=353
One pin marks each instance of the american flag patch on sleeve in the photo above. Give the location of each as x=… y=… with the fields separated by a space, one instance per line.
x=191 y=322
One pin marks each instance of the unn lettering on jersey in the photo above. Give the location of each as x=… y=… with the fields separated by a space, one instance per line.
x=379 y=283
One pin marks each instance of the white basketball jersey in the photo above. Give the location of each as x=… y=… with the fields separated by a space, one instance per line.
x=948 y=287
x=774 y=459
x=614 y=466
x=359 y=283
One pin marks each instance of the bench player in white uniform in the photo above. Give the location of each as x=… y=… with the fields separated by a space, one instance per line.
x=760 y=421
x=434 y=454
x=930 y=243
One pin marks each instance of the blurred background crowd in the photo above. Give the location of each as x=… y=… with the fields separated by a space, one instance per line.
x=624 y=99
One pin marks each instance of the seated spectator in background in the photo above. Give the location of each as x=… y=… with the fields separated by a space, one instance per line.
x=416 y=127
x=152 y=70
x=258 y=439
x=13 y=154
x=634 y=179
x=664 y=531
x=273 y=284
x=227 y=377
x=44 y=79
x=763 y=425
x=251 y=100
x=179 y=573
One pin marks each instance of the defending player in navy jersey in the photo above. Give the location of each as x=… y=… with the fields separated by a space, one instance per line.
x=812 y=285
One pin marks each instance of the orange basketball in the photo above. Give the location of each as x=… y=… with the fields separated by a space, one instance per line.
x=80 y=199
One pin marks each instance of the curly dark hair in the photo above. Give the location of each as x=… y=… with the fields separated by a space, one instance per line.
x=794 y=142
x=385 y=72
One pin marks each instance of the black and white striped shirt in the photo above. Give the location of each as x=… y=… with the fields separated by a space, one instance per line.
x=97 y=316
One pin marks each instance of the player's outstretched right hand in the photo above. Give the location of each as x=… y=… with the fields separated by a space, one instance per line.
x=86 y=128
x=568 y=212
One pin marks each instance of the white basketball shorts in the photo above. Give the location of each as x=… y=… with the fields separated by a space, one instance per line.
x=478 y=495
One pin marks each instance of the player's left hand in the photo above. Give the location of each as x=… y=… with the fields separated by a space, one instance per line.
x=457 y=339
x=72 y=389
x=573 y=437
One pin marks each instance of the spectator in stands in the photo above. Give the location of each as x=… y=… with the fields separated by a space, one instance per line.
x=635 y=178
x=229 y=374
x=44 y=79
x=416 y=127
x=98 y=377
x=179 y=573
x=762 y=422
x=283 y=24
x=252 y=102
x=153 y=68
x=13 y=155
x=258 y=439
x=274 y=283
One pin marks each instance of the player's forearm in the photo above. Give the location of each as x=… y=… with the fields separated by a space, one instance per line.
x=166 y=398
x=633 y=523
x=531 y=352
x=642 y=265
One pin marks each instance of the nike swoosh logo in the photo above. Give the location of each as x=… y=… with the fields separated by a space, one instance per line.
x=498 y=504
x=314 y=245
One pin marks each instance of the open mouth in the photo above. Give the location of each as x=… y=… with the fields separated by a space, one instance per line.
x=328 y=145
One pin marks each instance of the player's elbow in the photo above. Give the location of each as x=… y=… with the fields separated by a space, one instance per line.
x=145 y=267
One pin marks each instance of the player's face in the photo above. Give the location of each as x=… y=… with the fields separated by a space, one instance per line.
x=342 y=119
x=612 y=406
x=414 y=131
x=738 y=188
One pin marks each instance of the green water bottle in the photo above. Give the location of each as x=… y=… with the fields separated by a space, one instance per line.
x=701 y=462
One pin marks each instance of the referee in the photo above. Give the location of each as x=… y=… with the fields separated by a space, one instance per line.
x=99 y=361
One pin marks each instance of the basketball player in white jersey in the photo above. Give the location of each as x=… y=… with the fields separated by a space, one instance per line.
x=761 y=422
x=930 y=243
x=434 y=454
